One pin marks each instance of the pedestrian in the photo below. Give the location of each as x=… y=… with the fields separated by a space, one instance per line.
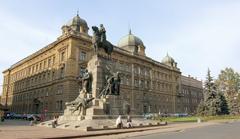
x=54 y=122
x=2 y=119
x=33 y=121
x=119 y=123
x=2 y=116
x=129 y=122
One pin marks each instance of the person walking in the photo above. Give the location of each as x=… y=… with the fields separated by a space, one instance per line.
x=119 y=123
x=54 y=122
x=2 y=116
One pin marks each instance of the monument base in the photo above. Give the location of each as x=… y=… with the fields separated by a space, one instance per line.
x=98 y=122
x=104 y=109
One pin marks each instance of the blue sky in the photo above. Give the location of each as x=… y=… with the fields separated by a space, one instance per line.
x=197 y=33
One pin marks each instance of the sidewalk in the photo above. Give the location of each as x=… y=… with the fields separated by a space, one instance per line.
x=138 y=131
x=30 y=132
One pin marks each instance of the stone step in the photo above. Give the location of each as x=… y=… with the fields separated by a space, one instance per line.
x=94 y=111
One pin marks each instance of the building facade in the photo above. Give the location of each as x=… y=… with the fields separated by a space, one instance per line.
x=45 y=80
x=190 y=96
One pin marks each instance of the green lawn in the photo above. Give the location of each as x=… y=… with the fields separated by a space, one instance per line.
x=180 y=119
x=194 y=118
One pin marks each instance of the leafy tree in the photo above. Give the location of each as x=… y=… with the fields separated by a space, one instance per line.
x=201 y=110
x=228 y=82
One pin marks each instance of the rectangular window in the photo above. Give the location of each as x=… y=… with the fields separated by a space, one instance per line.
x=40 y=66
x=53 y=74
x=46 y=93
x=136 y=70
x=142 y=71
x=62 y=72
x=33 y=69
x=136 y=83
x=62 y=56
x=141 y=83
x=48 y=75
x=53 y=60
x=60 y=105
x=49 y=62
x=36 y=68
x=44 y=76
x=44 y=64
x=139 y=70
x=82 y=56
x=127 y=81
x=46 y=106
x=59 y=89
x=127 y=67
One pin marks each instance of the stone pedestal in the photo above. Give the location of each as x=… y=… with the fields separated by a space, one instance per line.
x=115 y=105
x=101 y=107
x=112 y=104
x=96 y=66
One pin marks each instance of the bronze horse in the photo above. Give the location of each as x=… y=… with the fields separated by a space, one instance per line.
x=96 y=40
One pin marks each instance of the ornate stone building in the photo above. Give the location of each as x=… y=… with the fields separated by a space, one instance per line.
x=190 y=96
x=45 y=80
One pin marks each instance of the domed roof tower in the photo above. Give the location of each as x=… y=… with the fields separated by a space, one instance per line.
x=132 y=43
x=168 y=60
x=75 y=25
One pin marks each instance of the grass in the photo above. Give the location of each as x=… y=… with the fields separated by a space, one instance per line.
x=180 y=119
x=204 y=118
x=220 y=117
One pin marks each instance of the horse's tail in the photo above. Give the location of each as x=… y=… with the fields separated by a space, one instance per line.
x=110 y=47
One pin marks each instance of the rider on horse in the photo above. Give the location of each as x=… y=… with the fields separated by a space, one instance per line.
x=99 y=40
x=102 y=32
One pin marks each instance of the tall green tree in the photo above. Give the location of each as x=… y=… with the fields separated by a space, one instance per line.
x=209 y=87
x=214 y=102
x=222 y=102
x=228 y=82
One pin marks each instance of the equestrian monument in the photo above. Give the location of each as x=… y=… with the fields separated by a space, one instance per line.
x=99 y=96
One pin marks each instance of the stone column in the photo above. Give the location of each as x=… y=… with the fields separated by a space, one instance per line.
x=95 y=67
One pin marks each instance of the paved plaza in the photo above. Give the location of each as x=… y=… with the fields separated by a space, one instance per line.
x=17 y=129
x=219 y=131
x=216 y=130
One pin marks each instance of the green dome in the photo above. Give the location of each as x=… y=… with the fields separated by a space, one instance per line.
x=130 y=40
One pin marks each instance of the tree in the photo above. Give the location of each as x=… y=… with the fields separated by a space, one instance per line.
x=201 y=109
x=222 y=104
x=228 y=82
x=209 y=91
x=214 y=102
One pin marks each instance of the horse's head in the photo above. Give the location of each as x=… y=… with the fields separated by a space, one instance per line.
x=95 y=29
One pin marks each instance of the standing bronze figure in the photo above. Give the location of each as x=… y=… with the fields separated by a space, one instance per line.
x=112 y=86
x=86 y=82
